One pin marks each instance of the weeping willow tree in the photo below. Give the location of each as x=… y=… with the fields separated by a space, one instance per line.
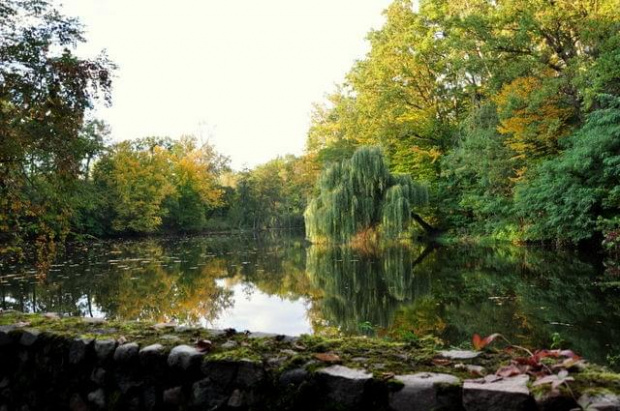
x=360 y=194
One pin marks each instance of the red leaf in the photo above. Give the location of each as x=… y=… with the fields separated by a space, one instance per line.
x=531 y=361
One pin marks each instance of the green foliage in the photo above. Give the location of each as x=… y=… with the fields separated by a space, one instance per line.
x=471 y=97
x=564 y=197
x=272 y=195
x=45 y=94
x=153 y=183
x=477 y=178
x=360 y=194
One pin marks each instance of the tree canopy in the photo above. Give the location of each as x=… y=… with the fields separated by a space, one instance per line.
x=361 y=194
x=46 y=92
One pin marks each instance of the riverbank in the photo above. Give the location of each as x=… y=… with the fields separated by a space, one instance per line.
x=86 y=363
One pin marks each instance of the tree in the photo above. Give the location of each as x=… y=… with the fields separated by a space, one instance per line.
x=136 y=183
x=274 y=194
x=45 y=91
x=360 y=194
x=565 y=197
x=478 y=177
x=194 y=174
x=155 y=183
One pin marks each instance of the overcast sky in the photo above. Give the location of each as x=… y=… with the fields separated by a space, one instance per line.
x=244 y=72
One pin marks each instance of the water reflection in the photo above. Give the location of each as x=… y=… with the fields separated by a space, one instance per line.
x=280 y=284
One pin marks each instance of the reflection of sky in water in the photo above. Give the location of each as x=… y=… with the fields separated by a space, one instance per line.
x=256 y=311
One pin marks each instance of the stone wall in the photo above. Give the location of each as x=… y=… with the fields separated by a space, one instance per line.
x=44 y=366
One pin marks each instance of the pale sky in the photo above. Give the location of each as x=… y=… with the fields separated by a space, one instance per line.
x=244 y=72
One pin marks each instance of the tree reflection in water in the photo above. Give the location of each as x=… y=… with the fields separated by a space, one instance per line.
x=399 y=291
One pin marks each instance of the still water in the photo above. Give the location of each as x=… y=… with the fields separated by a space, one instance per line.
x=281 y=284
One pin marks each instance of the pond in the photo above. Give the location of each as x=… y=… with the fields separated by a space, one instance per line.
x=282 y=284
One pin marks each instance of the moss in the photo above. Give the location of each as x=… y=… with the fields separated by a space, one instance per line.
x=242 y=353
x=596 y=378
x=379 y=356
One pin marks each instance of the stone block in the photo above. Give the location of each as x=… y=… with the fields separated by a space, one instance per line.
x=104 y=349
x=184 y=357
x=343 y=386
x=126 y=353
x=427 y=391
x=498 y=394
x=78 y=349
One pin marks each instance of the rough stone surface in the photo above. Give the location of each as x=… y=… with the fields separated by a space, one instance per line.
x=498 y=394
x=184 y=356
x=554 y=401
x=126 y=382
x=229 y=345
x=76 y=403
x=151 y=351
x=459 y=354
x=150 y=398
x=216 y=333
x=292 y=378
x=222 y=372
x=5 y=338
x=173 y=396
x=236 y=399
x=78 y=349
x=342 y=385
x=206 y=394
x=29 y=337
x=104 y=349
x=97 y=397
x=249 y=373
x=426 y=391
x=98 y=376
x=601 y=401
x=126 y=353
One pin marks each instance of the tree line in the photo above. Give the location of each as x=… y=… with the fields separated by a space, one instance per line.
x=61 y=178
x=508 y=111
x=487 y=118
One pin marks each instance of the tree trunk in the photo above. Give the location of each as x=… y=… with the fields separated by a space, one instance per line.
x=430 y=230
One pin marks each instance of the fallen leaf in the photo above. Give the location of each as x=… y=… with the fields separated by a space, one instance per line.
x=477 y=342
x=510 y=371
x=328 y=358
x=22 y=324
x=299 y=347
x=554 y=380
x=480 y=343
x=441 y=361
x=204 y=346
x=387 y=376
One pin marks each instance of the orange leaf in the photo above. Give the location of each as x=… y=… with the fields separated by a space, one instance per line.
x=477 y=342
